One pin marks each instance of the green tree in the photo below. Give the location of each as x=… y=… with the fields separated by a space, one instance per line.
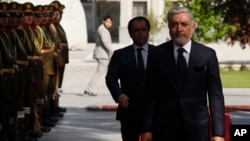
x=237 y=13
x=210 y=23
x=168 y=5
x=155 y=25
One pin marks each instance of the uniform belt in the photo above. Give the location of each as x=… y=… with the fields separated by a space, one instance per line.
x=46 y=51
x=34 y=57
x=5 y=70
x=20 y=62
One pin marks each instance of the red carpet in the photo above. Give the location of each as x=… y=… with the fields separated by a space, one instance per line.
x=228 y=122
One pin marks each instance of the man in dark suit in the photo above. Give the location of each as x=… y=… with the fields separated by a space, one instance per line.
x=125 y=79
x=183 y=88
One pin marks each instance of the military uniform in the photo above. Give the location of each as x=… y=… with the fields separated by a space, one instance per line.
x=58 y=61
x=63 y=56
x=15 y=11
x=7 y=71
x=1 y=100
x=39 y=43
x=49 y=71
x=29 y=98
x=64 y=42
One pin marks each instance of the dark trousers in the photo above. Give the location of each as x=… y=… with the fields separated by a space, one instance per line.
x=130 y=130
x=8 y=103
x=61 y=74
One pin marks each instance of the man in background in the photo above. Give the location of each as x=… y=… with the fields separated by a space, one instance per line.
x=125 y=78
x=102 y=53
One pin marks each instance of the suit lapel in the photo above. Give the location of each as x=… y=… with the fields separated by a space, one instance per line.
x=193 y=58
x=170 y=64
x=131 y=60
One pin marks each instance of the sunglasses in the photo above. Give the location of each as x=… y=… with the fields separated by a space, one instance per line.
x=4 y=15
x=48 y=14
x=38 y=15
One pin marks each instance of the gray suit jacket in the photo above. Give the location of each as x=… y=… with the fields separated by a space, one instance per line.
x=103 y=49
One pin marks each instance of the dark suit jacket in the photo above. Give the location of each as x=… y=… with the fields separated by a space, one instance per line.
x=122 y=77
x=169 y=111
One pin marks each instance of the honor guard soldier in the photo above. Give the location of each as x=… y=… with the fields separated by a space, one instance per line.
x=7 y=74
x=39 y=43
x=49 y=72
x=58 y=59
x=36 y=41
x=22 y=73
x=64 y=54
x=1 y=99
x=26 y=36
x=15 y=12
x=57 y=55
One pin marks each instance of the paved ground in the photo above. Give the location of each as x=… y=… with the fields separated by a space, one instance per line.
x=79 y=124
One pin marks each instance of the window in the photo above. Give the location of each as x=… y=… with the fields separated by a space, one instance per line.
x=139 y=9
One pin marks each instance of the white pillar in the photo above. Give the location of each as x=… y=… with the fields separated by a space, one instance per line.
x=126 y=14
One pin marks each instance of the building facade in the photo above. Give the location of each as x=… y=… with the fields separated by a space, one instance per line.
x=121 y=12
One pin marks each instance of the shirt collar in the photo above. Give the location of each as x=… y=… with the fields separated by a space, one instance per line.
x=187 y=47
x=145 y=47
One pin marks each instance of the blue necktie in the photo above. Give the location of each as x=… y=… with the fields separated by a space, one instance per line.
x=140 y=63
x=181 y=68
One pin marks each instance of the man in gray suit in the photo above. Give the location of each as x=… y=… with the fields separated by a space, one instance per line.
x=102 y=53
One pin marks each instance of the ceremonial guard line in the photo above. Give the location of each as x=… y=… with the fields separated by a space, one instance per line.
x=33 y=55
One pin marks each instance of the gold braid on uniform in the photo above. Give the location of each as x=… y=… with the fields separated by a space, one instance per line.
x=38 y=41
x=56 y=36
x=21 y=47
x=33 y=37
x=48 y=43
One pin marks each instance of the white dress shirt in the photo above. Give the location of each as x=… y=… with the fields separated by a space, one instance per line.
x=144 y=53
x=186 y=54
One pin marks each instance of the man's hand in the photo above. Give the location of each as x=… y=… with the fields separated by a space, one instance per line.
x=217 y=138
x=146 y=136
x=123 y=100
